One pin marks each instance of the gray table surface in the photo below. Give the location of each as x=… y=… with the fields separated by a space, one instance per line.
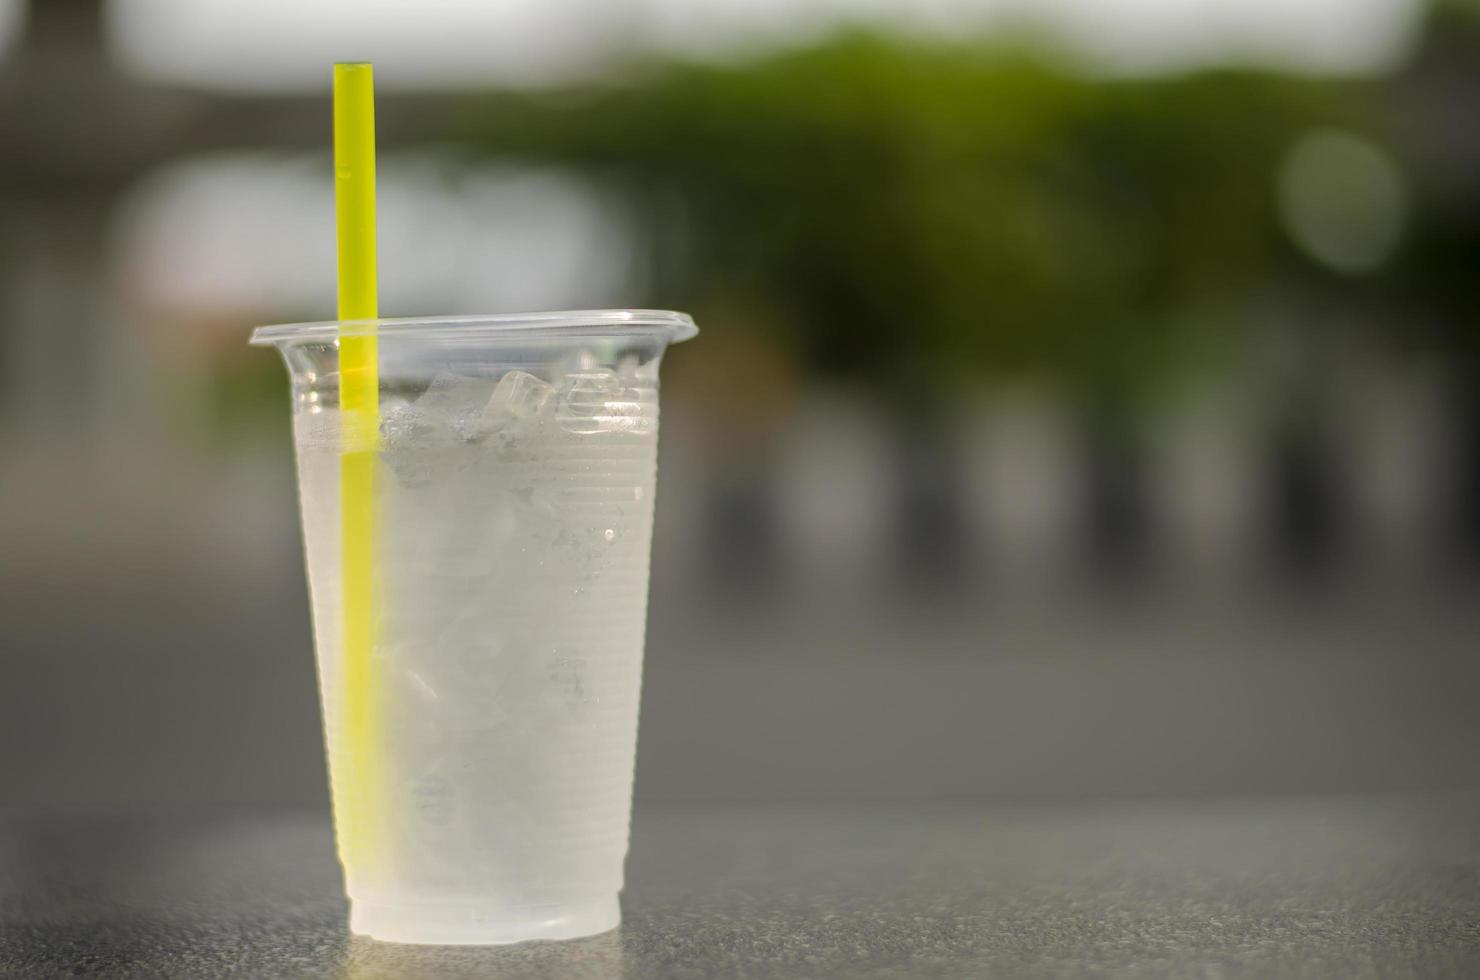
x=1323 y=887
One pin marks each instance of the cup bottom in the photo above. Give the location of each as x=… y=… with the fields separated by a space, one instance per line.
x=478 y=925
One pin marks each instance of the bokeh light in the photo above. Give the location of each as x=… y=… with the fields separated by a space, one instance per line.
x=1342 y=200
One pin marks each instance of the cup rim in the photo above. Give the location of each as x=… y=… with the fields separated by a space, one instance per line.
x=672 y=325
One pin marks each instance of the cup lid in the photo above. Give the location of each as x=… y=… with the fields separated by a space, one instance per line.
x=674 y=327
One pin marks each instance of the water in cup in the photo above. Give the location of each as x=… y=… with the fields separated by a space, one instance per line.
x=514 y=507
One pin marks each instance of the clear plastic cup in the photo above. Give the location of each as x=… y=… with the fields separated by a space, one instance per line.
x=485 y=796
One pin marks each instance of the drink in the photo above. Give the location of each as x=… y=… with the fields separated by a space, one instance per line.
x=513 y=502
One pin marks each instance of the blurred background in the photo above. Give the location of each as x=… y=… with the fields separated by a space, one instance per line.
x=1086 y=403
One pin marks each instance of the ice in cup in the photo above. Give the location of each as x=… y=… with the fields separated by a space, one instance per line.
x=484 y=793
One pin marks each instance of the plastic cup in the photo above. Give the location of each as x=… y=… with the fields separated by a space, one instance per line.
x=486 y=795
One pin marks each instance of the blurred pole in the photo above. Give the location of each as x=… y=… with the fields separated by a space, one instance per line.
x=1306 y=501
x=72 y=27
x=1307 y=513
x=1119 y=525
x=742 y=530
x=929 y=530
x=61 y=172
x=1432 y=106
x=53 y=299
x=1461 y=526
x=742 y=386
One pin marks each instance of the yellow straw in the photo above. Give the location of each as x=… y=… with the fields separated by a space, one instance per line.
x=355 y=774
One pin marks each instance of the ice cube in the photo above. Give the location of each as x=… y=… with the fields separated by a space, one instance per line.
x=518 y=396
x=415 y=436
x=409 y=438
x=532 y=516
x=628 y=412
x=457 y=403
x=583 y=396
x=597 y=401
x=635 y=371
x=402 y=426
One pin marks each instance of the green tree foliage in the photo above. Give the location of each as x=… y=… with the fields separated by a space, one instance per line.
x=904 y=207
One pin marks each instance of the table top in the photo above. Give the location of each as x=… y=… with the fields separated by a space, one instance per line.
x=1309 y=887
